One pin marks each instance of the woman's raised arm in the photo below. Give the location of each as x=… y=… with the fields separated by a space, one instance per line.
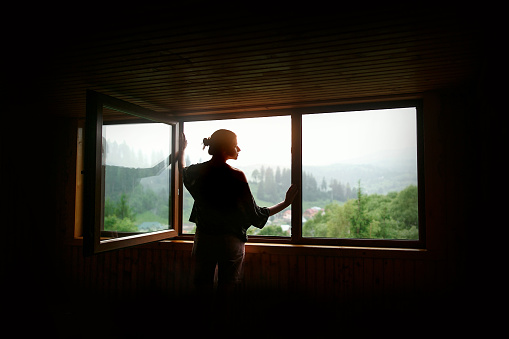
x=290 y=195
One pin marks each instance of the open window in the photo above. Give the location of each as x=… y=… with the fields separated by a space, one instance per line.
x=359 y=168
x=129 y=180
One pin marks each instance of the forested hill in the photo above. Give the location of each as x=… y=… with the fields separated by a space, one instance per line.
x=375 y=179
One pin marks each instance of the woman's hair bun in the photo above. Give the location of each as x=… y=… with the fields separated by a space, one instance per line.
x=219 y=141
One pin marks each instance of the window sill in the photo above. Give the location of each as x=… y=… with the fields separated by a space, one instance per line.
x=298 y=249
x=322 y=250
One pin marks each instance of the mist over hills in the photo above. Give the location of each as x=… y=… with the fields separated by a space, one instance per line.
x=380 y=173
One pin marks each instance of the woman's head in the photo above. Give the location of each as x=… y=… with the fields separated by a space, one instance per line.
x=222 y=143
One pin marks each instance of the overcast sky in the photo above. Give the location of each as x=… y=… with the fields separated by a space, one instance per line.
x=327 y=138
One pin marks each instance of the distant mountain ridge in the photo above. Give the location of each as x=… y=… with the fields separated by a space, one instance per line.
x=384 y=172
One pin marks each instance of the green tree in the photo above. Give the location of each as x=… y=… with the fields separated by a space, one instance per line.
x=359 y=220
x=255 y=175
x=390 y=216
x=323 y=186
x=123 y=210
x=272 y=230
x=316 y=226
x=404 y=208
x=338 y=223
x=270 y=186
x=112 y=223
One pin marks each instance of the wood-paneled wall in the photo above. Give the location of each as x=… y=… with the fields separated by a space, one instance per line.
x=166 y=269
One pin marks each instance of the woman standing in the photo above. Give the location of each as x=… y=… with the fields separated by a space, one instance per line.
x=223 y=210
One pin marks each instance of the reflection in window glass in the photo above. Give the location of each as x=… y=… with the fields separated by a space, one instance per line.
x=360 y=174
x=136 y=177
x=265 y=159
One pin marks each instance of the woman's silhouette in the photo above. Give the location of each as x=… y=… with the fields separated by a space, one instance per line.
x=223 y=210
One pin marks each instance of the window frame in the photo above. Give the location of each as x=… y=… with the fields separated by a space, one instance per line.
x=296 y=169
x=93 y=199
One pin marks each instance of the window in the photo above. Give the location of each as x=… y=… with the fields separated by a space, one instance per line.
x=360 y=174
x=359 y=167
x=129 y=184
x=265 y=159
x=136 y=178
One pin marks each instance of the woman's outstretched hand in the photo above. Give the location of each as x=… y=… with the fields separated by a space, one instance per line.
x=291 y=194
x=183 y=140
x=180 y=154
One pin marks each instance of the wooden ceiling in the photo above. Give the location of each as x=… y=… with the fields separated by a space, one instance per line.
x=255 y=63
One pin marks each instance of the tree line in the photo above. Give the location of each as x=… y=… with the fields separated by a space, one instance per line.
x=128 y=202
x=272 y=185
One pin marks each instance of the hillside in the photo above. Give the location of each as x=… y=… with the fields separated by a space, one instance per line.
x=374 y=179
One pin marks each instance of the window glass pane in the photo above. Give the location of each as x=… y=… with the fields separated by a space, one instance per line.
x=360 y=174
x=265 y=159
x=136 y=174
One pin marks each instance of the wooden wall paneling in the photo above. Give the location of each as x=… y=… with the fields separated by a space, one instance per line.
x=99 y=282
x=348 y=280
x=155 y=265
x=311 y=272
x=127 y=274
x=388 y=282
x=265 y=272
x=342 y=283
x=378 y=280
x=330 y=281
x=422 y=282
x=188 y=280
x=358 y=284
x=319 y=277
x=179 y=271
x=120 y=273
x=134 y=287
x=114 y=276
x=139 y=270
x=431 y=279
x=164 y=275
x=146 y=269
x=273 y=269
x=95 y=269
x=293 y=276
x=246 y=273
x=339 y=287
x=159 y=271
x=399 y=287
x=367 y=282
x=301 y=275
x=72 y=283
x=409 y=277
x=283 y=270
x=81 y=271
x=87 y=272
x=251 y=272
x=171 y=271
x=257 y=272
